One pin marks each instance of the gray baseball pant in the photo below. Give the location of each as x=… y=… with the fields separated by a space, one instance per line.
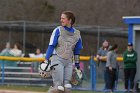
x=61 y=73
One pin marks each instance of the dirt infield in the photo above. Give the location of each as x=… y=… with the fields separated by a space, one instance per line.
x=14 y=91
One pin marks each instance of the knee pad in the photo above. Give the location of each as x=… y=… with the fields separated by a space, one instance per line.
x=54 y=90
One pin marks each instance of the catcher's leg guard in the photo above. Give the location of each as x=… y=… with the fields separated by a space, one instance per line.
x=67 y=90
x=54 y=90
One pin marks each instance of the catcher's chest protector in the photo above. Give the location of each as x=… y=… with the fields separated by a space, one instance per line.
x=66 y=43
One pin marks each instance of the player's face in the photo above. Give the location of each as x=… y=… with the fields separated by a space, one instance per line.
x=37 y=51
x=15 y=46
x=65 y=21
x=105 y=44
x=130 y=48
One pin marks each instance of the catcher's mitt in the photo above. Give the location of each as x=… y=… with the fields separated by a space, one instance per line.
x=45 y=74
x=45 y=69
x=77 y=77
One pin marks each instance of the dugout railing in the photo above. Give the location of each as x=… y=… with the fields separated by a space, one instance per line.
x=21 y=75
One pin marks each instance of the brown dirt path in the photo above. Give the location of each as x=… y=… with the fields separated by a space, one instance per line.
x=14 y=91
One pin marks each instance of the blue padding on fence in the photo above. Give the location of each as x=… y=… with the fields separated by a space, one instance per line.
x=93 y=73
x=2 y=68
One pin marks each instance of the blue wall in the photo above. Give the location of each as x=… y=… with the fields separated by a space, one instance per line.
x=131 y=21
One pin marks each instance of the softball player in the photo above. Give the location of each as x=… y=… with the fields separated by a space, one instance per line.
x=65 y=44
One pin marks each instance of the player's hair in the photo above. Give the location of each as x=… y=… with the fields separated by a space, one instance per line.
x=114 y=47
x=17 y=44
x=70 y=15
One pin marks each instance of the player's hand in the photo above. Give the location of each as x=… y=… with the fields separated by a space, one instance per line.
x=46 y=61
x=110 y=68
x=77 y=65
x=45 y=65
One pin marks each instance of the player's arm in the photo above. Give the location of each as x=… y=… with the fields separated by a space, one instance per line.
x=77 y=49
x=109 y=60
x=52 y=44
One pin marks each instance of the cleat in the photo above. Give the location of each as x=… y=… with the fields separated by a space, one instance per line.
x=67 y=86
x=60 y=88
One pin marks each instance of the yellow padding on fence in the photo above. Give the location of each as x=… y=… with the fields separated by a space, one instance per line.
x=85 y=58
x=119 y=59
x=26 y=59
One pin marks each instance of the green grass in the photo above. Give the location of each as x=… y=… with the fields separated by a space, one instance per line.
x=27 y=88
x=36 y=89
x=39 y=89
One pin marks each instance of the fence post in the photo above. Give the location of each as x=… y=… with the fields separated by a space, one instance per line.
x=93 y=73
x=2 y=68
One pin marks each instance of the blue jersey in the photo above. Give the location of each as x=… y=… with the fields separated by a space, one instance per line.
x=54 y=40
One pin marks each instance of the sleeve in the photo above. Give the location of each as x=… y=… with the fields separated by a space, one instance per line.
x=78 y=47
x=109 y=58
x=99 y=52
x=15 y=52
x=135 y=57
x=54 y=37
x=2 y=52
x=125 y=57
x=49 y=51
x=53 y=42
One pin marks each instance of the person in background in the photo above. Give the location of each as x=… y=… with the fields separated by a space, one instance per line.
x=35 y=65
x=130 y=59
x=14 y=51
x=111 y=67
x=102 y=53
x=6 y=50
x=65 y=44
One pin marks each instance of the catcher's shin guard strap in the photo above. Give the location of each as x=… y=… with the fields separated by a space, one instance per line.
x=49 y=62
x=52 y=67
x=45 y=66
x=76 y=58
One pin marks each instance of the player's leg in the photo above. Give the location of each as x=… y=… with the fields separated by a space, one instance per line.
x=58 y=73
x=67 y=76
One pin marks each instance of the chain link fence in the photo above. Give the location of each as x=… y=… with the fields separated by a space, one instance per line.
x=32 y=35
